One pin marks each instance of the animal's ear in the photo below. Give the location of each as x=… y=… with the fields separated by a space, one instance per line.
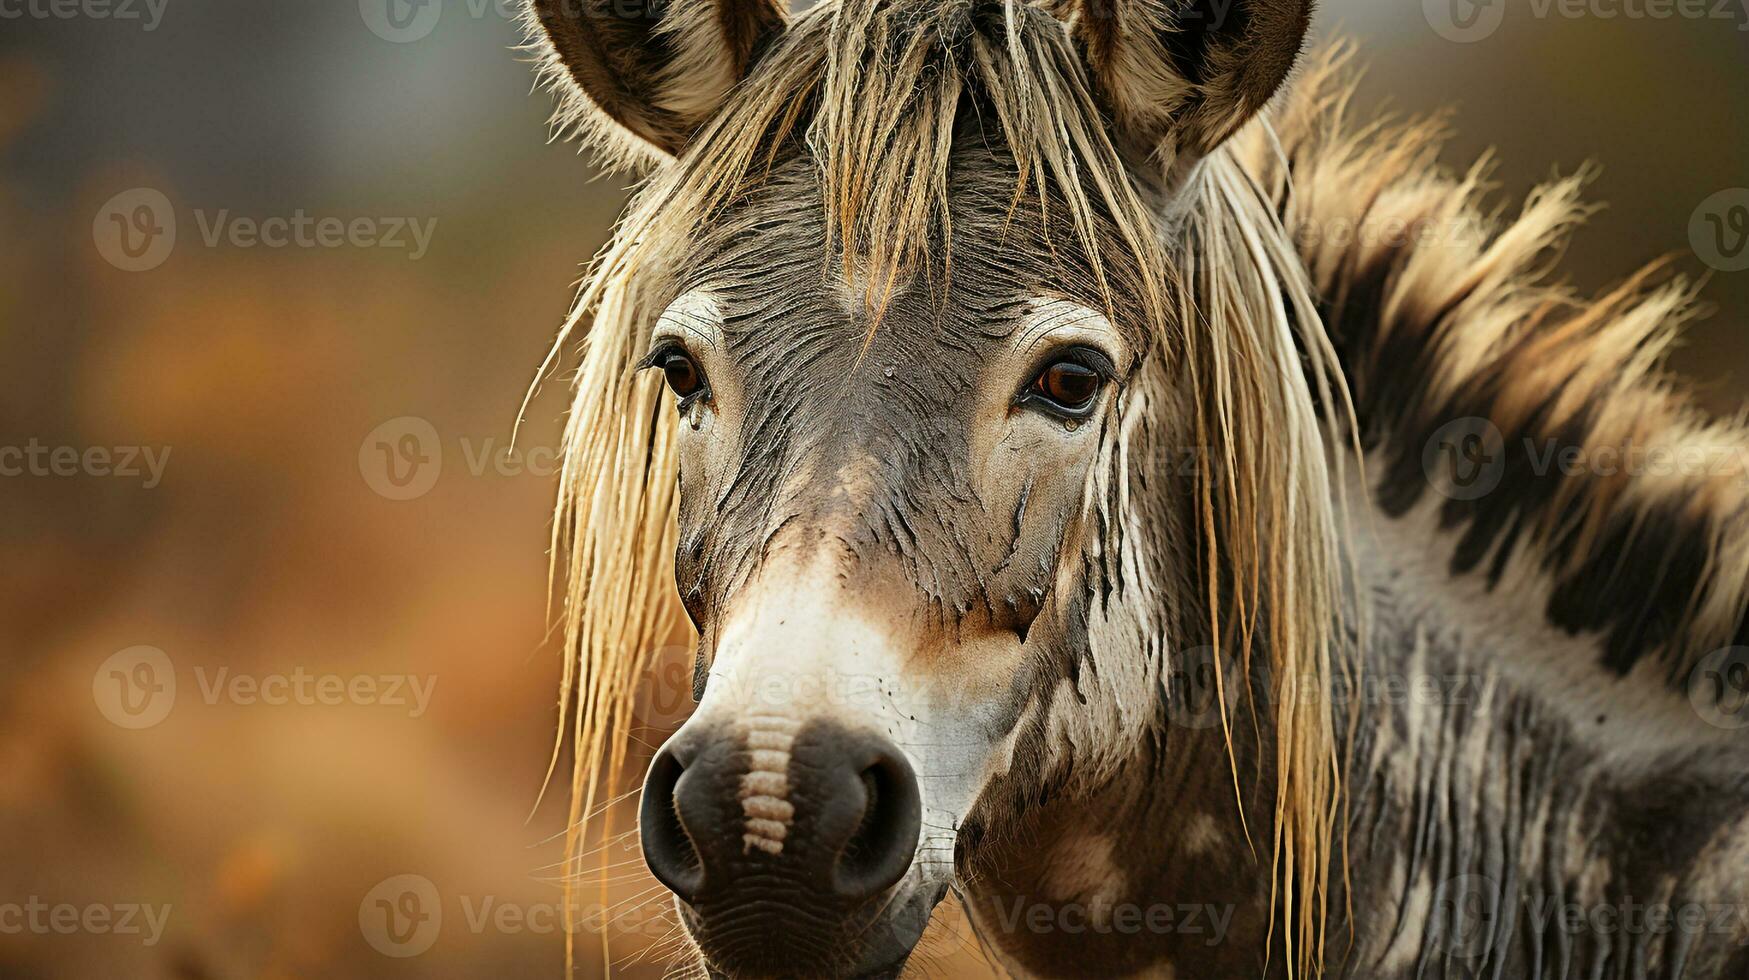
x=1180 y=76
x=641 y=76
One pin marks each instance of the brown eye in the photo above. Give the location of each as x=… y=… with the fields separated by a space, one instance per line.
x=1067 y=387
x=681 y=371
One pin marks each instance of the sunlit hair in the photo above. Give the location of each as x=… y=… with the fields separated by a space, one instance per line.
x=1445 y=311
x=870 y=91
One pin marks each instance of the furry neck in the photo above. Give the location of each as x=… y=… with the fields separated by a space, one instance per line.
x=1536 y=426
x=1492 y=819
x=1543 y=578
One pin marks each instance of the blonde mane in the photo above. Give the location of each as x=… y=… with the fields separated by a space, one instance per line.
x=870 y=92
x=1443 y=312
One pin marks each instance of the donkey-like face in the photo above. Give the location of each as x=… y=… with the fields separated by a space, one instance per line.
x=902 y=497
x=883 y=530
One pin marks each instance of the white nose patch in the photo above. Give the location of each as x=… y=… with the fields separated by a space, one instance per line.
x=765 y=787
x=792 y=651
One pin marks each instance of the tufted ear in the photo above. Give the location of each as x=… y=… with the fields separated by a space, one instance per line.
x=1180 y=76
x=640 y=77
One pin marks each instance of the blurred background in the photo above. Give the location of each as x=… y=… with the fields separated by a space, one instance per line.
x=276 y=694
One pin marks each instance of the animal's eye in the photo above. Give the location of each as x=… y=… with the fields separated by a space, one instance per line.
x=1069 y=385
x=682 y=374
x=685 y=378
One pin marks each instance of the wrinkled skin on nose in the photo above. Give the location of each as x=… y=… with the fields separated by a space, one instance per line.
x=830 y=822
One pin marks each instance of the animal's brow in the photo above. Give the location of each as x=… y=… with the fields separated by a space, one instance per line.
x=1050 y=315
x=685 y=314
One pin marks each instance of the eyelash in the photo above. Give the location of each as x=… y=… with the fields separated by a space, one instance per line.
x=662 y=357
x=1035 y=394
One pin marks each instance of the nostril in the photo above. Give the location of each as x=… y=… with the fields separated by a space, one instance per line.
x=881 y=849
x=863 y=848
x=668 y=849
